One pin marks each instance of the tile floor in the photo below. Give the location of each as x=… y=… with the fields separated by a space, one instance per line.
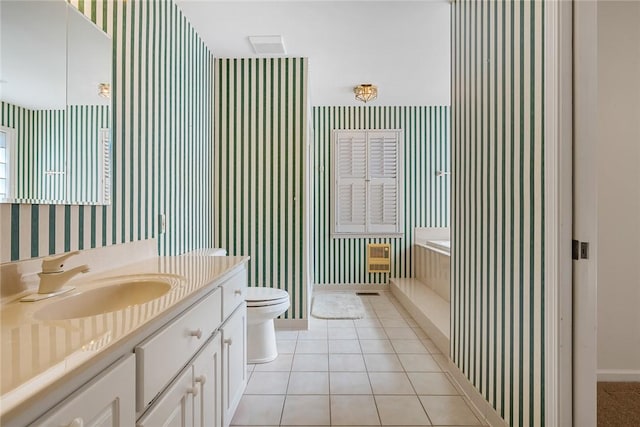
x=379 y=370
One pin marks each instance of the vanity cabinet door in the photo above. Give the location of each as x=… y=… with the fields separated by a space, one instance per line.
x=164 y=354
x=106 y=401
x=234 y=362
x=175 y=406
x=207 y=404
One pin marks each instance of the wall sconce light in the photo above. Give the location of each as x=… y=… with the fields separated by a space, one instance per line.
x=365 y=92
x=104 y=90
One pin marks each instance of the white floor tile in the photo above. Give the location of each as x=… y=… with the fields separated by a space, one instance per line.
x=306 y=410
x=286 y=346
x=383 y=363
x=258 y=410
x=388 y=315
x=331 y=374
x=313 y=334
x=311 y=346
x=268 y=383
x=419 y=363
x=371 y=333
x=340 y=323
x=315 y=323
x=310 y=362
x=432 y=383
x=401 y=333
x=390 y=383
x=349 y=383
x=401 y=411
x=448 y=410
x=346 y=363
x=376 y=346
x=281 y=363
x=408 y=346
x=344 y=346
x=394 y=323
x=367 y=323
x=343 y=413
x=286 y=335
x=308 y=383
x=342 y=333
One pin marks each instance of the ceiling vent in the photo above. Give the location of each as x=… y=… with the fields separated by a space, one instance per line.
x=267 y=45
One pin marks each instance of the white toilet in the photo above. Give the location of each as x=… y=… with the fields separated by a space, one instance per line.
x=263 y=305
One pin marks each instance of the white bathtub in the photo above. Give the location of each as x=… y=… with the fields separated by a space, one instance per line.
x=433 y=265
x=442 y=246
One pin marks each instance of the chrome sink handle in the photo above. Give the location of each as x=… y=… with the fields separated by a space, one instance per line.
x=54 y=264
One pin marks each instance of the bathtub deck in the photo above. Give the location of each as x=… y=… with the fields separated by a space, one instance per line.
x=430 y=310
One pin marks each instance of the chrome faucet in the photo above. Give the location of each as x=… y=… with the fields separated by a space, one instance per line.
x=53 y=277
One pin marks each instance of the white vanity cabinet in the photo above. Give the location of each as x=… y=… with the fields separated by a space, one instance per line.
x=192 y=372
x=187 y=369
x=207 y=377
x=106 y=401
x=193 y=398
x=161 y=357
x=234 y=362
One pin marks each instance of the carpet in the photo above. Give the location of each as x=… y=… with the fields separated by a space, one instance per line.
x=337 y=306
x=618 y=404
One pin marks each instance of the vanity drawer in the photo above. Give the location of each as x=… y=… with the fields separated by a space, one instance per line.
x=233 y=293
x=165 y=353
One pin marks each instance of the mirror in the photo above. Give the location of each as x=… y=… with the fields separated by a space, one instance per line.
x=55 y=106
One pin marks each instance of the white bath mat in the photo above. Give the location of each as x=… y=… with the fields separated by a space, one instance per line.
x=337 y=306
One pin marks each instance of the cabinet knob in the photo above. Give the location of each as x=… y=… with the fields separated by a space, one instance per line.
x=197 y=333
x=228 y=341
x=201 y=379
x=77 y=422
x=238 y=292
x=193 y=391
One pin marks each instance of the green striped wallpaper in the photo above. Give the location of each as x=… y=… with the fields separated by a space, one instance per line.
x=161 y=142
x=85 y=151
x=426 y=196
x=498 y=201
x=39 y=150
x=45 y=155
x=260 y=138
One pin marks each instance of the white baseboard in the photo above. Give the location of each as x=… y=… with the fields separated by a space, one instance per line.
x=487 y=412
x=353 y=287
x=292 y=324
x=618 y=375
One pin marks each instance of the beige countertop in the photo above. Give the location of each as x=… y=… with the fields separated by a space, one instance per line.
x=39 y=356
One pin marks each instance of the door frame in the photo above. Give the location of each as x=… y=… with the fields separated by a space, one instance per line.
x=559 y=213
x=584 y=220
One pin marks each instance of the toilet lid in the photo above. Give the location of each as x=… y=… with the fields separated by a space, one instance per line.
x=260 y=297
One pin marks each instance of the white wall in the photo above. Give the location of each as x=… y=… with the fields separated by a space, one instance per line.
x=619 y=190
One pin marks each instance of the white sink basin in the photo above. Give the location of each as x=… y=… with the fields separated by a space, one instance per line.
x=120 y=293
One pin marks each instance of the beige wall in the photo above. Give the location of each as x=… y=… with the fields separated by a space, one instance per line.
x=619 y=190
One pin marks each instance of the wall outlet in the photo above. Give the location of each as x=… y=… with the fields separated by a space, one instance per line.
x=162 y=223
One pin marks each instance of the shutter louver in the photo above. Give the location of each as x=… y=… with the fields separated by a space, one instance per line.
x=351 y=166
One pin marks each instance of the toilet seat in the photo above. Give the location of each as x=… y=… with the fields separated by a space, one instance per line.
x=264 y=297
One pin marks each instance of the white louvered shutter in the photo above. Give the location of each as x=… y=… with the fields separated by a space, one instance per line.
x=383 y=182
x=351 y=174
x=367 y=170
